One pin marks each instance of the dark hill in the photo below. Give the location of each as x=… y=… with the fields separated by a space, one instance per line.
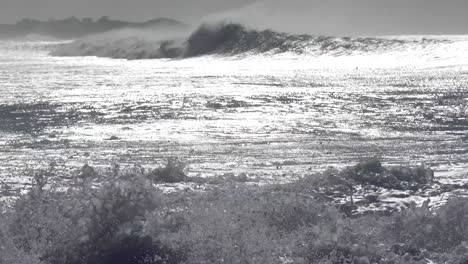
x=73 y=27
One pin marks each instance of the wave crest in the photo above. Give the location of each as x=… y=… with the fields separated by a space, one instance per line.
x=236 y=39
x=226 y=39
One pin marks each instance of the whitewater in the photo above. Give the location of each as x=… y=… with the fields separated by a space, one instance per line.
x=229 y=100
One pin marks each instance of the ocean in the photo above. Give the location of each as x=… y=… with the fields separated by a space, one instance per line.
x=265 y=104
x=233 y=145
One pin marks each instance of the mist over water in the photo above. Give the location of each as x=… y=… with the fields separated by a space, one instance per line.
x=126 y=43
x=271 y=27
x=351 y=18
x=230 y=39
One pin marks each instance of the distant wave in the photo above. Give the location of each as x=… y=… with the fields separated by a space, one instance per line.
x=226 y=39
x=36 y=37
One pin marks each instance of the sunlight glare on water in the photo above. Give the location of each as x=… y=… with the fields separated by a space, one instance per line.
x=241 y=113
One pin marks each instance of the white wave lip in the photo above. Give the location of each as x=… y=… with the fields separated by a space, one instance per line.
x=228 y=39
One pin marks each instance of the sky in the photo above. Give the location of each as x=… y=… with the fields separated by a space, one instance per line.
x=331 y=17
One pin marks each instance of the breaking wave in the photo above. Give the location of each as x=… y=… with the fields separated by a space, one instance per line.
x=227 y=39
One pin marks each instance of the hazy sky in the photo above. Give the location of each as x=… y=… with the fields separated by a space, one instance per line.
x=343 y=17
x=133 y=10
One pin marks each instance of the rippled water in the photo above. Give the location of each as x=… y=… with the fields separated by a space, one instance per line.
x=271 y=116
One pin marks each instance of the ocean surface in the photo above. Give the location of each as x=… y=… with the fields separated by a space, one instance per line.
x=251 y=107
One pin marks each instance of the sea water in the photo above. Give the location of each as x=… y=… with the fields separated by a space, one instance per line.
x=270 y=114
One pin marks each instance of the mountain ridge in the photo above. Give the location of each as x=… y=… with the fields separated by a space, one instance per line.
x=72 y=27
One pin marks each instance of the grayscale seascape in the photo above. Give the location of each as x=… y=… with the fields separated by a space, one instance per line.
x=157 y=142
